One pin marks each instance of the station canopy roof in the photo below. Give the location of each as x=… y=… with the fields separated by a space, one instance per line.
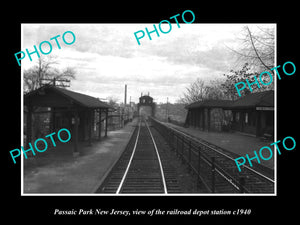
x=258 y=99
x=52 y=96
x=209 y=104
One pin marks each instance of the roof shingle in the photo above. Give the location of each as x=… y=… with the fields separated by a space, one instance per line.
x=78 y=98
x=262 y=99
x=84 y=100
x=265 y=98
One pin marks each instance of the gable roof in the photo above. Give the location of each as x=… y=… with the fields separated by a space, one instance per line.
x=78 y=98
x=262 y=99
x=209 y=104
x=258 y=99
x=84 y=100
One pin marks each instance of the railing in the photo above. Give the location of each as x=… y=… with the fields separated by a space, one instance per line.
x=208 y=172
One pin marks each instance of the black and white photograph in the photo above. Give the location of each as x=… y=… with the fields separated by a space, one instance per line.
x=158 y=115
x=149 y=116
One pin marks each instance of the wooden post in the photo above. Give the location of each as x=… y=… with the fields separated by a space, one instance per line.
x=76 y=120
x=90 y=127
x=99 y=125
x=106 y=122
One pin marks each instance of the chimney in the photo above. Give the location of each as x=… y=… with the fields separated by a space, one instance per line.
x=125 y=97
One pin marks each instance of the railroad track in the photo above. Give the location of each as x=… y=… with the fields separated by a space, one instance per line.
x=139 y=169
x=214 y=166
x=143 y=168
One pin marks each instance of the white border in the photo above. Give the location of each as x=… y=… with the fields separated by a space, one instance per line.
x=93 y=194
x=275 y=116
x=22 y=117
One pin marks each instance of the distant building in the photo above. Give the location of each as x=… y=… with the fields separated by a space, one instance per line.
x=252 y=114
x=146 y=106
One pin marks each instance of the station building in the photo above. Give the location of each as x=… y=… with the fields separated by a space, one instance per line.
x=252 y=114
x=50 y=108
x=146 y=106
x=208 y=115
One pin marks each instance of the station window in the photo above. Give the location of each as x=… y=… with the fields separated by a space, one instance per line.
x=246 y=117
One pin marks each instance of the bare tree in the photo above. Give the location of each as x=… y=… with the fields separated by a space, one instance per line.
x=215 y=90
x=257 y=48
x=241 y=75
x=113 y=101
x=195 y=92
x=45 y=70
x=255 y=53
x=199 y=91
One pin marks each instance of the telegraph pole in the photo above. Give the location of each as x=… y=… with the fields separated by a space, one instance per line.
x=54 y=81
x=125 y=95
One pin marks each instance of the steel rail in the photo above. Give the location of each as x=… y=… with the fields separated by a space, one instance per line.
x=130 y=160
x=198 y=141
x=159 y=161
x=252 y=170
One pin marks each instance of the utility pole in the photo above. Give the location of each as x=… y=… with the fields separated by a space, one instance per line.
x=125 y=96
x=54 y=81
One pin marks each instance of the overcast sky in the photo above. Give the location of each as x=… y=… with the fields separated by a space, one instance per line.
x=107 y=56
